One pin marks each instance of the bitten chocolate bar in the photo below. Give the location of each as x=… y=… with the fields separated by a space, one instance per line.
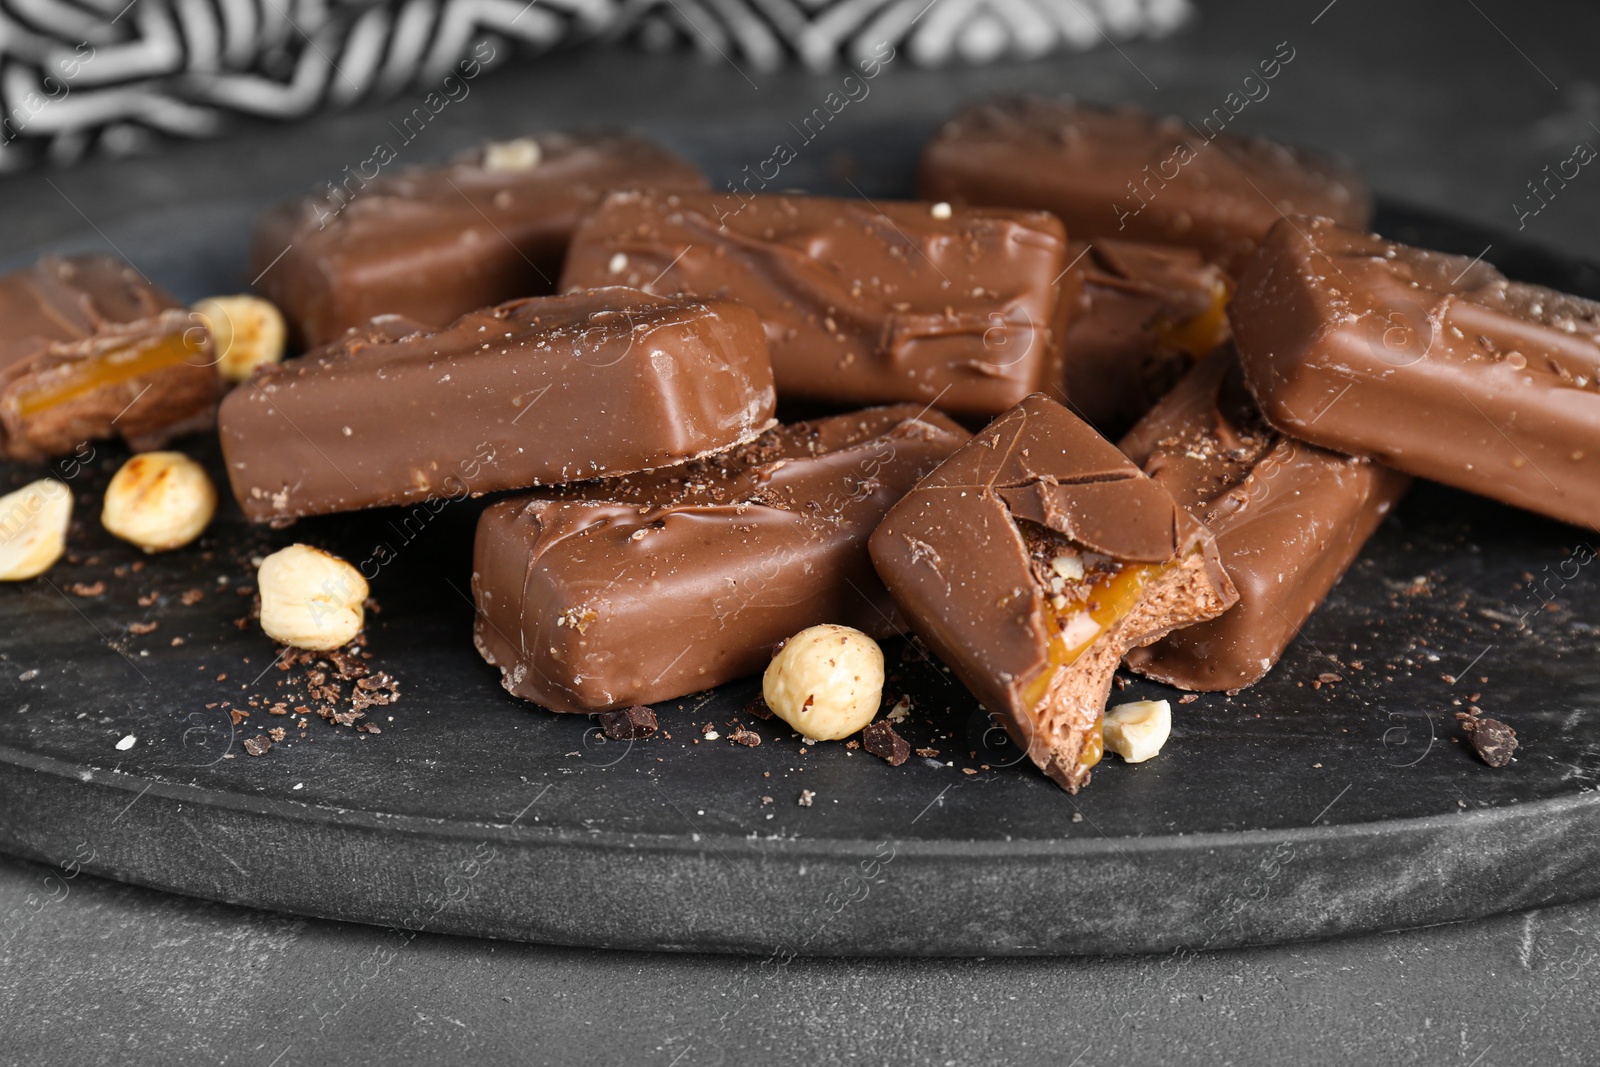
x=433 y=243
x=1127 y=174
x=1434 y=364
x=1289 y=518
x=90 y=349
x=533 y=392
x=1031 y=561
x=640 y=589
x=1145 y=314
x=863 y=303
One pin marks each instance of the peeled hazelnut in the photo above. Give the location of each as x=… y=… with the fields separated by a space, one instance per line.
x=246 y=332
x=826 y=682
x=310 y=599
x=521 y=154
x=33 y=529
x=159 y=501
x=1137 y=731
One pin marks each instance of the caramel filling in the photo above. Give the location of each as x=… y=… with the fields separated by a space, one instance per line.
x=112 y=367
x=1078 y=624
x=1201 y=334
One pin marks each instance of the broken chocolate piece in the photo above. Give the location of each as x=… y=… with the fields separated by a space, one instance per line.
x=1145 y=314
x=433 y=243
x=636 y=590
x=741 y=735
x=90 y=349
x=534 y=392
x=1288 y=517
x=1031 y=561
x=1430 y=363
x=880 y=739
x=628 y=724
x=864 y=303
x=1127 y=174
x=258 y=745
x=1492 y=740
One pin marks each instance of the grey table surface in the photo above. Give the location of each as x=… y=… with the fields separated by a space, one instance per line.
x=1456 y=103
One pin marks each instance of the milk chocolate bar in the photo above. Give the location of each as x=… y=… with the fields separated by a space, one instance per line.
x=640 y=589
x=1434 y=364
x=1124 y=173
x=90 y=349
x=1031 y=561
x=433 y=243
x=532 y=392
x=1145 y=314
x=863 y=303
x=1289 y=518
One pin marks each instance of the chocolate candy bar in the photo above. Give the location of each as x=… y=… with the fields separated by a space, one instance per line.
x=89 y=349
x=1430 y=363
x=1032 y=561
x=1288 y=517
x=1124 y=173
x=863 y=303
x=533 y=392
x=640 y=589
x=433 y=243
x=1145 y=314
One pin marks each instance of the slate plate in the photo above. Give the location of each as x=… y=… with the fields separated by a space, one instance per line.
x=1302 y=808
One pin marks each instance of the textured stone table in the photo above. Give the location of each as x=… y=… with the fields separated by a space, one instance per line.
x=1458 y=104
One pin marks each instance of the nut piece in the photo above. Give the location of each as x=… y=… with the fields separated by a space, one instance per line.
x=159 y=501
x=246 y=332
x=1137 y=731
x=521 y=154
x=33 y=529
x=826 y=681
x=310 y=599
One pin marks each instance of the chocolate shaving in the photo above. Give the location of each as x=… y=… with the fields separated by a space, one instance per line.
x=881 y=740
x=628 y=724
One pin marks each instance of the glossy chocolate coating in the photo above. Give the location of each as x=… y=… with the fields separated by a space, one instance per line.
x=432 y=243
x=640 y=589
x=863 y=303
x=62 y=315
x=1289 y=518
x=1145 y=313
x=955 y=554
x=1127 y=174
x=1430 y=363
x=533 y=392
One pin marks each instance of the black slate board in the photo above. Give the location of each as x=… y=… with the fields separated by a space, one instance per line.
x=1298 y=809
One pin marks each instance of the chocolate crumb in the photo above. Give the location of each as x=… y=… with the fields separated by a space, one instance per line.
x=258 y=745
x=87 y=589
x=142 y=628
x=191 y=597
x=277 y=733
x=1493 y=740
x=747 y=738
x=1328 y=678
x=758 y=708
x=628 y=724
x=928 y=753
x=806 y=797
x=880 y=739
x=1188 y=698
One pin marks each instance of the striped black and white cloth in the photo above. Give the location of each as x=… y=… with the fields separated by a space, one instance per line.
x=114 y=75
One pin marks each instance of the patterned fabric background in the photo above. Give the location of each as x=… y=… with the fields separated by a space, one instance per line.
x=113 y=75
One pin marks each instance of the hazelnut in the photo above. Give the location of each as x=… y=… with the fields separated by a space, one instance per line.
x=1137 y=731
x=826 y=682
x=520 y=154
x=33 y=529
x=159 y=501
x=246 y=332
x=310 y=599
